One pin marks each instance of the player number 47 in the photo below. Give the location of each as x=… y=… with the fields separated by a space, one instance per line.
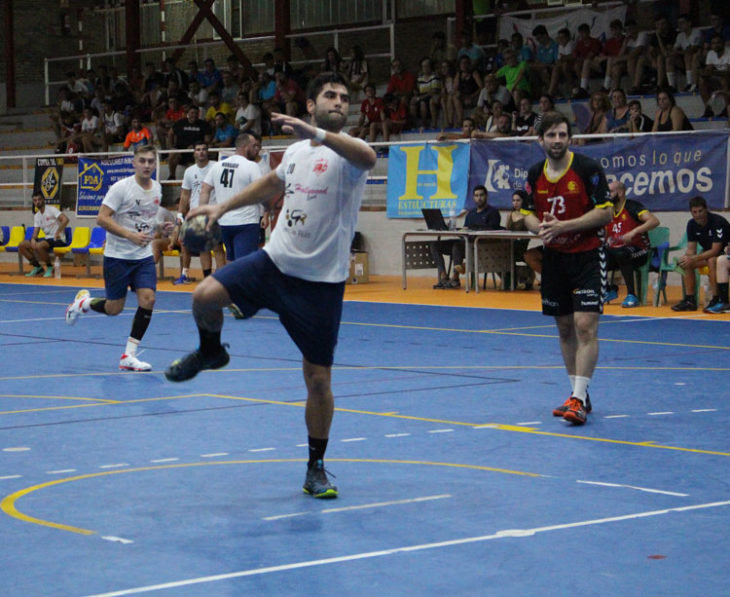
x=557 y=204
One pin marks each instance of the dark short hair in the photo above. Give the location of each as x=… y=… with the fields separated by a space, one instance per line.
x=480 y=187
x=316 y=84
x=522 y=194
x=634 y=102
x=697 y=201
x=551 y=119
x=539 y=30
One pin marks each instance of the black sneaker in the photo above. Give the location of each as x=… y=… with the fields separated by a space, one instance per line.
x=560 y=411
x=191 y=364
x=685 y=305
x=317 y=484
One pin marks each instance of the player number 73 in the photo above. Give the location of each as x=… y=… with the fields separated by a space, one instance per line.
x=557 y=204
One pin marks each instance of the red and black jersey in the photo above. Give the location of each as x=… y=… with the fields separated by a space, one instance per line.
x=624 y=221
x=578 y=190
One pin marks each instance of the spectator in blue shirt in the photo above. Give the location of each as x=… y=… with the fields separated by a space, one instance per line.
x=524 y=54
x=546 y=55
x=225 y=133
x=474 y=52
x=210 y=77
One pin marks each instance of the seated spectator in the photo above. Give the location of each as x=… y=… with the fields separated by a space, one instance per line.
x=524 y=53
x=289 y=97
x=138 y=135
x=483 y=217
x=216 y=105
x=163 y=127
x=685 y=54
x=638 y=121
x=617 y=118
x=440 y=50
x=357 y=70
x=524 y=120
x=627 y=241
x=396 y=115
x=248 y=116
x=610 y=58
x=401 y=83
x=447 y=89
x=152 y=84
x=426 y=100
x=210 y=78
x=196 y=94
x=113 y=126
x=546 y=55
x=503 y=129
x=491 y=91
x=717 y=27
x=475 y=54
x=263 y=90
x=711 y=232
x=564 y=68
x=515 y=76
x=661 y=43
x=332 y=61
x=76 y=87
x=90 y=131
x=669 y=116
x=545 y=104
x=372 y=116
x=229 y=88
x=37 y=250
x=632 y=56
x=598 y=122
x=516 y=222
x=65 y=106
x=468 y=126
x=715 y=75
x=224 y=134
x=586 y=50
x=187 y=134
x=193 y=73
x=170 y=72
x=497 y=109
x=281 y=65
x=723 y=279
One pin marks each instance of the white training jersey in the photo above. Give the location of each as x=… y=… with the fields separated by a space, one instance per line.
x=322 y=197
x=47 y=221
x=193 y=179
x=229 y=177
x=135 y=209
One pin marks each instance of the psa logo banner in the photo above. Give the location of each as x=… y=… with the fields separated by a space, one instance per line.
x=427 y=175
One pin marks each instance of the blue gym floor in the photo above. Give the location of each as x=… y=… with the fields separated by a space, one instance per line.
x=454 y=478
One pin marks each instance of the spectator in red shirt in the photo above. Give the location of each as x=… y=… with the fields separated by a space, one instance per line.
x=401 y=83
x=372 y=116
x=289 y=97
x=163 y=127
x=586 y=49
x=396 y=115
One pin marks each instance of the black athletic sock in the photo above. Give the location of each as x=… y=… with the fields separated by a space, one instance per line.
x=317 y=448
x=690 y=298
x=35 y=263
x=98 y=305
x=210 y=342
x=722 y=290
x=207 y=272
x=141 y=323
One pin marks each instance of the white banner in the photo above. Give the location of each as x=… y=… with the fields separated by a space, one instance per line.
x=598 y=21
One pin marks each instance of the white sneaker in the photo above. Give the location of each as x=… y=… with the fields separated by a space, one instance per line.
x=77 y=308
x=132 y=363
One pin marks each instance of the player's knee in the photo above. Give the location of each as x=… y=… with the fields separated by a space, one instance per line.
x=113 y=307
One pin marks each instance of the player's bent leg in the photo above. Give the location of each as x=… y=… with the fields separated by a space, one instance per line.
x=209 y=299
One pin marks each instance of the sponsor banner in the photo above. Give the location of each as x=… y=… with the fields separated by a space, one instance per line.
x=47 y=180
x=428 y=175
x=597 y=20
x=661 y=171
x=94 y=179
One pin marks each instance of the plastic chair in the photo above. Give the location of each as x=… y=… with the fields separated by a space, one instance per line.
x=12 y=247
x=13 y=239
x=658 y=245
x=667 y=267
x=79 y=240
x=4 y=236
x=94 y=247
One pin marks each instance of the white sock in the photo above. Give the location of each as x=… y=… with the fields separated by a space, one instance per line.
x=690 y=78
x=607 y=82
x=572 y=384
x=581 y=387
x=584 y=84
x=184 y=271
x=131 y=349
x=672 y=79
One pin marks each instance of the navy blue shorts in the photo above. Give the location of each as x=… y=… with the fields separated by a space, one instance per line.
x=133 y=273
x=309 y=311
x=53 y=243
x=240 y=240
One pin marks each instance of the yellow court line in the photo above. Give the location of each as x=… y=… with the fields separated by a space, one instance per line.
x=8 y=504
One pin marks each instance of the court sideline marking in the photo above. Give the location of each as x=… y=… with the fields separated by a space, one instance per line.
x=503 y=534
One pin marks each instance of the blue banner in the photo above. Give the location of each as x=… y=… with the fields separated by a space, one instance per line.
x=661 y=171
x=94 y=179
x=428 y=175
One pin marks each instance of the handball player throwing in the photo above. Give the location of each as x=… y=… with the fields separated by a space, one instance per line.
x=300 y=274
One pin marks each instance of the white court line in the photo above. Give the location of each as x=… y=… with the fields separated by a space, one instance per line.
x=61 y=471
x=704 y=410
x=397 y=434
x=262 y=449
x=411 y=548
x=361 y=507
x=115 y=465
x=525 y=423
x=11 y=477
x=353 y=439
x=616 y=417
x=159 y=460
x=668 y=412
x=214 y=455
x=646 y=489
x=441 y=431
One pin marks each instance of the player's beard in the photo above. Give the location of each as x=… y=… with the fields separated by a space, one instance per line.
x=329 y=121
x=555 y=153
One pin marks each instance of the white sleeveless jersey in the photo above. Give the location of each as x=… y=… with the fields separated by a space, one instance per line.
x=193 y=181
x=322 y=197
x=229 y=177
x=135 y=209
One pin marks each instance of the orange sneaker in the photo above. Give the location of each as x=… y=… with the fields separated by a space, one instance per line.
x=560 y=411
x=576 y=412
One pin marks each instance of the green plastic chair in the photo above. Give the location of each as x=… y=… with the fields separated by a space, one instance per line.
x=658 y=245
x=669 y=266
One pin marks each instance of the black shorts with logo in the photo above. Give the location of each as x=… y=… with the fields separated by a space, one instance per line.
x=573 y=282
